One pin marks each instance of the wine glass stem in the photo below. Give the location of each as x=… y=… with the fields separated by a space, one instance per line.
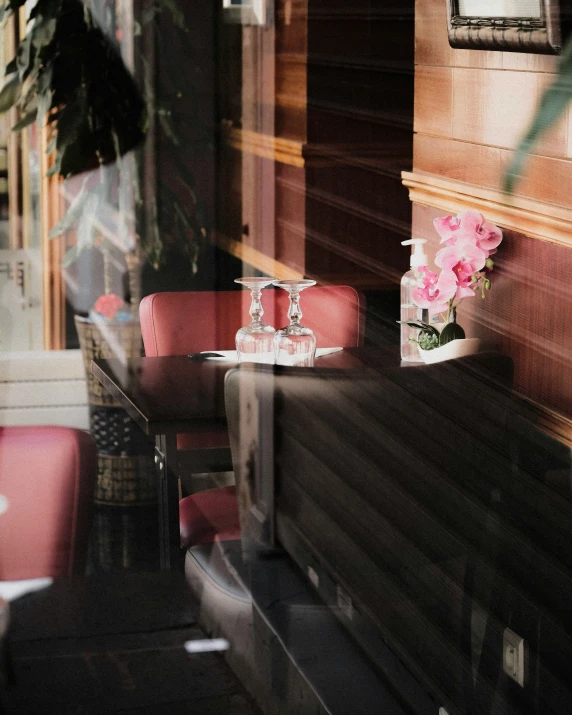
x=256 y=311
x=294 y=311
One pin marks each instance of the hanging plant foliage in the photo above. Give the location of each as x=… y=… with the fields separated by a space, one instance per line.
x=69 y=73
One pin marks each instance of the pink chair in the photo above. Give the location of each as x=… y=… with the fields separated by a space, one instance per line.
x=180 y=323
x=47 y=478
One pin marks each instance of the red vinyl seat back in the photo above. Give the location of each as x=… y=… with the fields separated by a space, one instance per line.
x=185 y=322
x=47 y=477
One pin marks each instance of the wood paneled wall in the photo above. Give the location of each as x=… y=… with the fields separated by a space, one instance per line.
x=360 y=90
x=471 y=107
x=339 y=92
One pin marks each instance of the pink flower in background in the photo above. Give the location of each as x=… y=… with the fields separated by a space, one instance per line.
x=108 y=305
x=436 y=292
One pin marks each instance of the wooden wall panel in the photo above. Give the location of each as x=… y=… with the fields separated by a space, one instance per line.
x=290 y=216
x=545 y=179
x=457 y=160
x=434 y=101
x=484 y=105
x=471 y=110
x=291 y=48
x=360 y=115
x=485 y=100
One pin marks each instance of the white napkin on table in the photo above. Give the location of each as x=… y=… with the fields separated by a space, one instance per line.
x=232 y=355
x=9 y=590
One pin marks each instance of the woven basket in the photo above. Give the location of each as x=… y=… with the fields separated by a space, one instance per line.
x=122 y=481
x=125 y=471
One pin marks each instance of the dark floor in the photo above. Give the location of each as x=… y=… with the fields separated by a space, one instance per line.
x=114 y=641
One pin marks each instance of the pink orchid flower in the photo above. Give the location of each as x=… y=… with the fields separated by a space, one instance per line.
x=436 y=292
x=469 y=226
x=465 y=252
x=447 y=226
x=489 y=237
x=463 y=260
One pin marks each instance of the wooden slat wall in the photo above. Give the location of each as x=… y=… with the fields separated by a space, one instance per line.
x=360 y=88
x=343 y=116
x=471 y=107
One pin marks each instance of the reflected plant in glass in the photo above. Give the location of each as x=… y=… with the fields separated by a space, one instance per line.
x=255 y=341
x=295 y=344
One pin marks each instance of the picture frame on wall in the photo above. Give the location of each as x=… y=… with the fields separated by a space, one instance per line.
x=247 y=12
x=507 y=25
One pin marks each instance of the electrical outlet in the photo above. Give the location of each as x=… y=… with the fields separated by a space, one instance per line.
x=513 y=656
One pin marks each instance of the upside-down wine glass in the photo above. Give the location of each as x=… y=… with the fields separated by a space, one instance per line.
x=255 y=341
x=295 y=344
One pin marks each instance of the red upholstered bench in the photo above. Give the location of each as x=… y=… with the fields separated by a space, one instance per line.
x=47 y=477
x=210 y=514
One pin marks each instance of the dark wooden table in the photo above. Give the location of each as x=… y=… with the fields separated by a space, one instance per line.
x=167 y=396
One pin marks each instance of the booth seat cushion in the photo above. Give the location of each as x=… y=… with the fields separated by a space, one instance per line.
x=209 y=515
x=47 y=477
x=203 y=440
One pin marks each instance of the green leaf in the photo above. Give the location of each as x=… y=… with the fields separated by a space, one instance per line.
x=425 y=327
x=25 y=121
x=552 y=105
x=428 y=341
x=43 y=32
x=175 y=10
x=8 y=7
x=11 y=67
x=452 y=331
x=73 y=213
x=70 y=256
x=10 y=93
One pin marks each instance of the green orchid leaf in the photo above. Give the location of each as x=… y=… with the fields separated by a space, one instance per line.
x=552 y=106
x=452 y=331
x=425 y=327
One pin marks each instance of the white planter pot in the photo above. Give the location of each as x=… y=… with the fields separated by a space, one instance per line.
x=454 y=349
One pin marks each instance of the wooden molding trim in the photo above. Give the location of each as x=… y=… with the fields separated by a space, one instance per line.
x=532 y=218
x=255 y=258
x=284 y=151
x=291 y=151
x=552 y=423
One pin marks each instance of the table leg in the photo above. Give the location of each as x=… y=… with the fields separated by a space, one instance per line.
x=168 y=492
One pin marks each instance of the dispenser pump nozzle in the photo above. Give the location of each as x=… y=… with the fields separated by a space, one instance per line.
x=418 y=257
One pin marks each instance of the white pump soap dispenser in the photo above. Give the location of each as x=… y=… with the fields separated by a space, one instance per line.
x=409 y=311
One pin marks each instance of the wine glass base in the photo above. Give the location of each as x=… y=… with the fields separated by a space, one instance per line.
x=295 y=348
x=255 y=343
